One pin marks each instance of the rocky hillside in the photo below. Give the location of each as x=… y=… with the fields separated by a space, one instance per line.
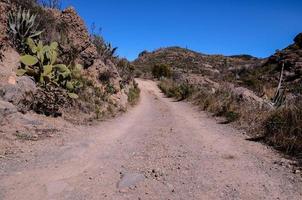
x=261 y=96
x=58 y=72
x=267 y=75
x=187 y=61
x=260 y=75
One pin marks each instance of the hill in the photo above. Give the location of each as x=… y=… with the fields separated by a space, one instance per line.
x=262 y=96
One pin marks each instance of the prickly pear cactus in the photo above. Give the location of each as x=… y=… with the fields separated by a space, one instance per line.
x=42 y=65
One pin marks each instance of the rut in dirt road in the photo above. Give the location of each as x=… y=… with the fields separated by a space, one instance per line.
x=160 y=149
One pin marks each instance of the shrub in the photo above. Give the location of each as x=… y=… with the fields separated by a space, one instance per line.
x=162 y=70
x=133 y=94
x=110 y=89
x=105 y=77
x=221 y=102
x=126 y=71
x=47 y=101
x=283 y=128
x=180 y=91
x=185 y=91
x=168 y=87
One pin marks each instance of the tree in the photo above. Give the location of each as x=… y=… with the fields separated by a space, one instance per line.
x=161 y=70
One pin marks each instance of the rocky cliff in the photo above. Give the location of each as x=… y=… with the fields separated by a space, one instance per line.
x=25 y=106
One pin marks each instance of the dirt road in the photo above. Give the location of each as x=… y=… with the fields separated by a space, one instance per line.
x=158 y=150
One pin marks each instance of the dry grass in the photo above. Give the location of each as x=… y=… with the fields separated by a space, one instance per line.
x=134 y=94
x=283 y=128
x=180 y=91
x=221 y=102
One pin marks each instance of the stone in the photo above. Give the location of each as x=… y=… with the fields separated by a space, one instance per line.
x=6 y=109
x=78 y=37
x=14 y=93
x=298 y=40
x=130 y=179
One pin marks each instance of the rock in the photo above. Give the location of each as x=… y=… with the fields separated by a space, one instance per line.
x=6 y=109
x=78 y=36
x=130 y=179
x=8 y=66
x=247 y=95
x=298 y=40
x=3 y=22
x=14 y=93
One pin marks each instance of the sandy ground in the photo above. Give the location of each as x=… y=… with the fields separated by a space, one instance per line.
x=160 y=149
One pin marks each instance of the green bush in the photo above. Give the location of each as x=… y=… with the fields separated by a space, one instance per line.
x=162 y=70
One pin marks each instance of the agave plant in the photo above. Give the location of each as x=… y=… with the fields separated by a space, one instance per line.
x=41 y=65
x=108 y=51
x=104 y=49
x=22 y=26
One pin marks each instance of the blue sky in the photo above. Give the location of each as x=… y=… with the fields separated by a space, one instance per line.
x=256 y=27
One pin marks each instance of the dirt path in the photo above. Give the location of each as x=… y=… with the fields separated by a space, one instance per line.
x=159 y=150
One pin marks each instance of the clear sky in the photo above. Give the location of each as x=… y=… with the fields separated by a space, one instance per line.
x=256 y=27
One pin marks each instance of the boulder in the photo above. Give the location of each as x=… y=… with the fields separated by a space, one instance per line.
x=9 y=65
x=14 y=93
x=298 y=40
x=6 y=109
x=3 y=22
x=247 y=95
x=78 y=37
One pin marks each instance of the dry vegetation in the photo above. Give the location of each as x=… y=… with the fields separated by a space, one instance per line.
x=134 y=94
x=212 y=82
x=279 y=127
x=283 y=129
